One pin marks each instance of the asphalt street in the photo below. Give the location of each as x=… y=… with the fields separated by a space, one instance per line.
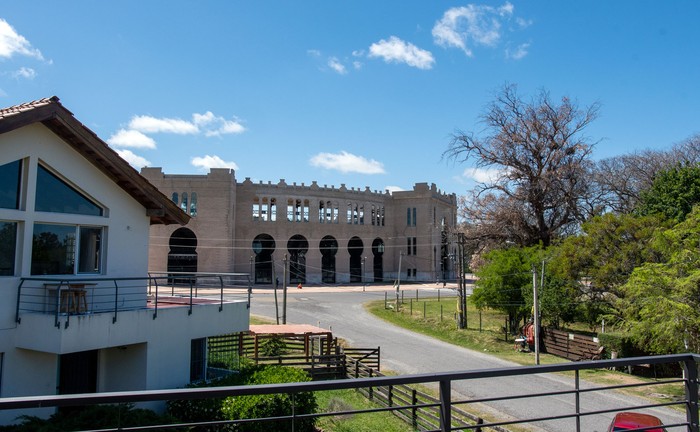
x=341 y=310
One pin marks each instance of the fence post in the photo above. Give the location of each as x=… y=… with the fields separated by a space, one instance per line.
x=414 y=409
x=690 y=370
x=411 y=308
x=445 y=405
x=390 y=398
x=370 y=390
x=578 y=401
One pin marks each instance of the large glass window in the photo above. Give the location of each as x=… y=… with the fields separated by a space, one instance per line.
x=8 y=248
x=56 y=247
x=55 y=195
x=10 y=180
x=89 y=251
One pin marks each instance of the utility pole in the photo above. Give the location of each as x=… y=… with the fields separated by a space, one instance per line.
x=276 y=283
x=284 y=292
x=462 y=288
x=536 y=320
x=398 y=282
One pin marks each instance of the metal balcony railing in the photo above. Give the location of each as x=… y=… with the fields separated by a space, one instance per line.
x=444 y=405
x=66 y=297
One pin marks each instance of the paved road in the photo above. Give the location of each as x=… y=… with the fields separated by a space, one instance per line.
x=405 y=352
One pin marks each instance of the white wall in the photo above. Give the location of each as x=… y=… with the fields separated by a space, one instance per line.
x=137 y=352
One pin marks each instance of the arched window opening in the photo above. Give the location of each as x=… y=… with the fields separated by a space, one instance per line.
x=183 y=204
x=297 y=246
x=263 y=247
x=264 y=209
x=193 y=204
x=329 y=248
x=378 y=261
x=182 y=257
x=355 y=248
x=175 y=198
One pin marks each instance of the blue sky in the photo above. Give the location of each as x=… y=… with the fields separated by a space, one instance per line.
x=360 y=93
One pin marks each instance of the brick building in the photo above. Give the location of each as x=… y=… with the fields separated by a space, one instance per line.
x=319 y=234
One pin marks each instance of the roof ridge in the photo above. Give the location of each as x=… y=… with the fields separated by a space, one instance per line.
x=26 y=106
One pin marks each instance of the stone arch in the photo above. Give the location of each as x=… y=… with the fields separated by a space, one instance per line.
x=355 y=248
x=182 y=256
x=328 y=248
x=297 y=246
x=263 y=247
x=378 y=259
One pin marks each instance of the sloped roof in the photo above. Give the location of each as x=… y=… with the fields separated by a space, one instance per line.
x=52 y=114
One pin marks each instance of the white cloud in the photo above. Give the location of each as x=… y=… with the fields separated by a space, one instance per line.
x=393 y=189
x=346 y=162
x=24 y=72
x=396 y=50
x=134 y=160
x=519 y=52
x=207 y=123
x=148 y=124
x=131 y=138
x=461 y=27
x=314 y=53
x=12 y=43
x=483 y=175
x=207 y=162
x=337 y=66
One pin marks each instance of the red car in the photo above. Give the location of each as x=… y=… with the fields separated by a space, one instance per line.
x=625 y=421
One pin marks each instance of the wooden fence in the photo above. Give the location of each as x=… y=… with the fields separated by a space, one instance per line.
x=420 y=418
x=571 y=346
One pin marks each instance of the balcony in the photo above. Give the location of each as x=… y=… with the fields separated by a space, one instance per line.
x=446 y=411
x=93 y=313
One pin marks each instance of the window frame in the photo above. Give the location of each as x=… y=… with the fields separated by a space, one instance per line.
x=72 y=254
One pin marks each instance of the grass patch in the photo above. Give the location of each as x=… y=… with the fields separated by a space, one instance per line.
x=346 y=400
x=485 y=332
x=485 y=329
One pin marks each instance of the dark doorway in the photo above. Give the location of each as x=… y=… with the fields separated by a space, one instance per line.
x=329 y=248
x=378 y=261
x=355 y=247
x=297 y=246
x=263 y=246
x=182 y=257
x=77 y=372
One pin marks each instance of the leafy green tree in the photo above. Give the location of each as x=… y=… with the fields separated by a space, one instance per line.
x=597 y=262
x=673 y=193
x=661 y=305
x=504 y=280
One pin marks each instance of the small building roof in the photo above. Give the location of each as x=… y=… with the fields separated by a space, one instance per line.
x=287 y=329
x=52 y=114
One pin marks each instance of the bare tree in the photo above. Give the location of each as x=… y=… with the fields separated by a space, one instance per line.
x=541 y=156
x=622 y=179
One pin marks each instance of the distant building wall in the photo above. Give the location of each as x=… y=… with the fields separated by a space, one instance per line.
x=250 y=227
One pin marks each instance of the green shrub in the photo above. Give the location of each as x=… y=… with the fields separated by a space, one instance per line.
x=209 y=409
x=273 y=405
x=273 y=347
x=621 y=343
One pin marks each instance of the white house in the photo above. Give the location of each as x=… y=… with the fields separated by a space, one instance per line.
x=75 y=312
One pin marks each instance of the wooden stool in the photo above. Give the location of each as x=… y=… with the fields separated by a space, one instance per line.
x=73 y=300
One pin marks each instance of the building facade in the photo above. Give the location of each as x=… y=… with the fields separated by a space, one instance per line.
x=74 y=214
x=304 y=233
